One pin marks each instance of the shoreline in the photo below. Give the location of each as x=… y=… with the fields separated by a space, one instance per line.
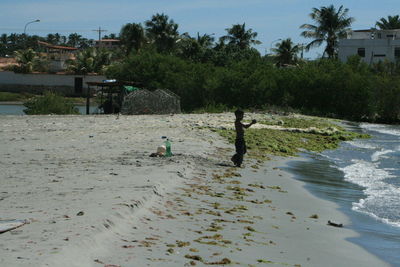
x=205 y=213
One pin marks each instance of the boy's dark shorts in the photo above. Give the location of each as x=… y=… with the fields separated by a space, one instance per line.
x=240 y=146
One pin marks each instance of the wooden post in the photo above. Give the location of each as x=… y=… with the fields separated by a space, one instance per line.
x=88 y=100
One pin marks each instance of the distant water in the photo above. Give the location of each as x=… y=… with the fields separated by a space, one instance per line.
x=19 y=109
x=363 y=177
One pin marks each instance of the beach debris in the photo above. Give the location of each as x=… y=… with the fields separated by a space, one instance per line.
x=194 y=257
x=265 y=261
x=8 y=225
x=182 y=243
x=81 y=213
x=249 y=228
x=314 y=216
x=224 y=261
x=335 y=224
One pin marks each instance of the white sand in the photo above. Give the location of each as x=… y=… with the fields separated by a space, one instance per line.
x=134 y=207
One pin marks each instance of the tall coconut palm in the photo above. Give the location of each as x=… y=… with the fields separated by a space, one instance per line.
x=330 y=25
x=132 y=37
x=286 y=52
x=391 y=23
x=239 y=36
x=162 y=31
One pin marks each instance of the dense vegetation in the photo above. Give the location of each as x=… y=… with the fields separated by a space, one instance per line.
x=230 y=72
x=350 y=90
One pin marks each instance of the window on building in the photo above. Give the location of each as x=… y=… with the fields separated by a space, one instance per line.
x=379 y=35
x=397 y=52
x=379 y=55
x=361 y=52
x=390 y=36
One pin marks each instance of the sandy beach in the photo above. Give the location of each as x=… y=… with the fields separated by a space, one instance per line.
x=94 y=197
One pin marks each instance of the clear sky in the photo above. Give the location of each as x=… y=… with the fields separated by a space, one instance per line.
x=271 y=19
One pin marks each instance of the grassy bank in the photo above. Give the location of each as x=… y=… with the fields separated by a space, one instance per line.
x=14 y=97
x=23 y=97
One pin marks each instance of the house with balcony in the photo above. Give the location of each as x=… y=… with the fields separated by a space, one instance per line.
x=58 y=56
x=107 y=43
x=371 y=45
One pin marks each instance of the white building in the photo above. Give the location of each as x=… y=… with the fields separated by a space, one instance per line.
x=371 y=45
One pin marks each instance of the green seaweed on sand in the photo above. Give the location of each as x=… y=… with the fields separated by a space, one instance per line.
x=263 y=142
x=214 y=228
x=302 y=122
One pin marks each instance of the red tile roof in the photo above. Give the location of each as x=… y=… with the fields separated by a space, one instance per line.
x=57 y=46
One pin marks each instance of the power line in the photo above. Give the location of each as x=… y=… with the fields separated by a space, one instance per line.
x=99 y=31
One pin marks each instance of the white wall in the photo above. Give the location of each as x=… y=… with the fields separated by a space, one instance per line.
x=39 y=79
x=373 y=47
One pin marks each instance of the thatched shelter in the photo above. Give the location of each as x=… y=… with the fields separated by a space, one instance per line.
x=143 y=101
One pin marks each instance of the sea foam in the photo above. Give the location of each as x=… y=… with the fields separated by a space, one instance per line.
x=382 y=199
x=381 y=128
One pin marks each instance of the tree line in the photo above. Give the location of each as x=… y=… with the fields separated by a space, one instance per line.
x=230 y=72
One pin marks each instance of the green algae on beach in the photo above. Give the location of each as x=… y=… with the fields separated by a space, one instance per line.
x=323 y=135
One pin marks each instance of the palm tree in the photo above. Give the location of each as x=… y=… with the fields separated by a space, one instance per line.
x=132 y=37
x=239 y=36
x=57 y=38
x=331 y=24
x=26 y=60
x=90 y=60
x=4 y=39
x=205 y=41
x=162 y=31
x=110 y=36
x=286 y=52
x=391 y=23
x=51 y=38
x=74 y=39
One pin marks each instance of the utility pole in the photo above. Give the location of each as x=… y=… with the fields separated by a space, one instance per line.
x=99 y=31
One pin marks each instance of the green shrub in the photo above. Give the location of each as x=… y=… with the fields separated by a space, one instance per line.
x=325 y=87
x=49 y=103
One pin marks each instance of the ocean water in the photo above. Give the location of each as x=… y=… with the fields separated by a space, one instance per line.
x=363 y=178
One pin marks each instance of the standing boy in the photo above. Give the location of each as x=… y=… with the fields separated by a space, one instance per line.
x=240 y=144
